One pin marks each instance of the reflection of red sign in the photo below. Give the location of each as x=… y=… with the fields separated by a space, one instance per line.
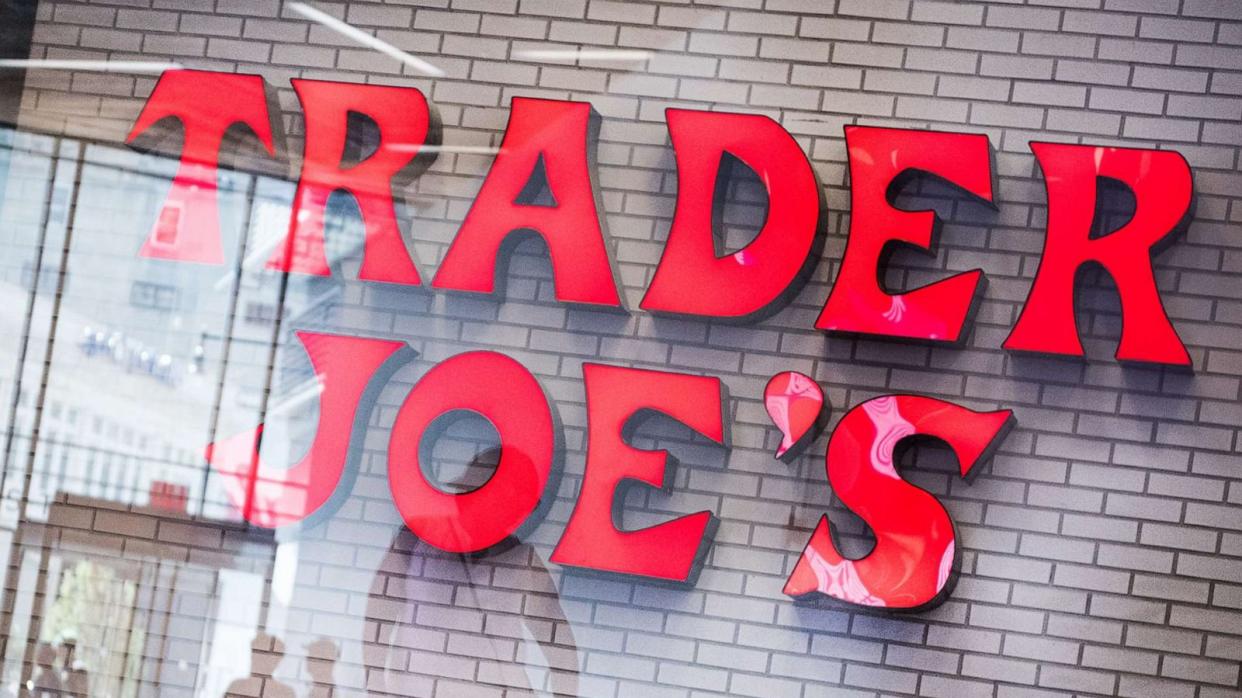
x=167 y=227
x=345 y=368
x=546 y=150
x=207 y=105
x=169 y=496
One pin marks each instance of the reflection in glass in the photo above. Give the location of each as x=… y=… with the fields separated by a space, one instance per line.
x=524 y=642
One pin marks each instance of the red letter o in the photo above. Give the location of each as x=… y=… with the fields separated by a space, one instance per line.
x=504 y=393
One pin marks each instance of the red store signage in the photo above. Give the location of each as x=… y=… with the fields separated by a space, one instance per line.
x=915 y=558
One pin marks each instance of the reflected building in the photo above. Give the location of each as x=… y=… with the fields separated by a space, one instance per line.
x=122 y=547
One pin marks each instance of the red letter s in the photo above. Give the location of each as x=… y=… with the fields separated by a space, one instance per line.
x=915 y=557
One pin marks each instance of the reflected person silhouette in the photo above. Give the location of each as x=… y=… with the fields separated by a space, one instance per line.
x=75 y=679
x=45 y=683
x=321 y=656
x=266 y=652
x=415 y=582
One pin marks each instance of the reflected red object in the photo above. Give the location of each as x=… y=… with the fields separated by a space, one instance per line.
x=272 y=496
x=795 y=402
x=880 y=158
x=691 y=279
x=208 y=104
x=404 y=122
x=915 y=559
x=504 y=393
x=555 y=134
x=615 y=395
x=1163 y=189
x=169 y=496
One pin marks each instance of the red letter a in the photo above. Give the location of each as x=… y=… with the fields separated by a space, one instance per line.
x=554 y=134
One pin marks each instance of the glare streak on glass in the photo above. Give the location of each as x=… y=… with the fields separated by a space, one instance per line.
x=468 y=149
x=98 y=66
x=557 y=54
x=355 y=34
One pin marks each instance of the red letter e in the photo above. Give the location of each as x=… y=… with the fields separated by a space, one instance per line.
x=666 y=551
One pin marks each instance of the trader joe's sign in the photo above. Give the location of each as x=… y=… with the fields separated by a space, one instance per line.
x=547 y=143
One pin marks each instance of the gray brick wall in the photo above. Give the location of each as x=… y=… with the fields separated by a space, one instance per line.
x=1103 y=544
